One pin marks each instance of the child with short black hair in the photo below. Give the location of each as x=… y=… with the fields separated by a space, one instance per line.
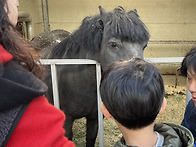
x=133 y=94
x=188 y=69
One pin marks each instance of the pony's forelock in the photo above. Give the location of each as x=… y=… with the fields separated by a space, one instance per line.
x=127 y=26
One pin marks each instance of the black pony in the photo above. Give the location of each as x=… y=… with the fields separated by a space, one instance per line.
x=107 y=37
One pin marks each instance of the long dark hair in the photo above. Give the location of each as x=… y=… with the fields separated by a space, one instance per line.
x=14 y=43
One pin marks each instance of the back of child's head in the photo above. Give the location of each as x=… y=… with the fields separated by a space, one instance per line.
x=189 y=62
x=133 y=92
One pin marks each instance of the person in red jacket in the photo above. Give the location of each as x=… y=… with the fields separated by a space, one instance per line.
x=26 y=117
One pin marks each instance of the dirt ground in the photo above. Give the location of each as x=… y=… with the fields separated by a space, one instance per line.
x=176 y=103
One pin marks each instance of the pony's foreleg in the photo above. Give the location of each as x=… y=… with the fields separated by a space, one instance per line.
x=68 y=127
x=91 y=133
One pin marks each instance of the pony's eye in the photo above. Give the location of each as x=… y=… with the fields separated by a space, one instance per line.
x=113 y=44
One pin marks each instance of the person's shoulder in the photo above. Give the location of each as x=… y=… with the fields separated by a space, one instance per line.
x=190 y=103
x=191 y=106
x=41 y=106
x=175 y=134
x=40 y=125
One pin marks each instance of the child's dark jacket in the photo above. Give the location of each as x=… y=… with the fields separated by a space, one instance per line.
x=189 y=120
x=174 y=136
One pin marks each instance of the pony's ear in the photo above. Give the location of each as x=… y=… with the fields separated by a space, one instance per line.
x=100 y=24
x=133 y=11
x=102 y=11
x=103 y=16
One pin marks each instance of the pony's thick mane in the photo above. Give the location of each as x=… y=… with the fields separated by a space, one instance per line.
x=127 y=26
x=119 y=24
x=88 y=36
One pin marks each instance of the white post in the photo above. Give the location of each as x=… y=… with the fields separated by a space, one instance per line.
x=100 y=115
x=55 y=86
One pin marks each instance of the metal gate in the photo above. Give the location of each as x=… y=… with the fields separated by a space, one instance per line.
x=53 y=63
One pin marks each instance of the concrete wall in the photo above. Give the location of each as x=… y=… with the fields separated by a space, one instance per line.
x=34 y=9
x=172 y=23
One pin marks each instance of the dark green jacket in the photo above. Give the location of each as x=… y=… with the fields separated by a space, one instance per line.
x=174 y=136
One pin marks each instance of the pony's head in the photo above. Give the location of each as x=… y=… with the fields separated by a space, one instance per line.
x=106 y=37
x=124 y=35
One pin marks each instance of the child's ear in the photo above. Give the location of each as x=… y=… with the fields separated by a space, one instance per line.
x=105 y=111
x=164 y=104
